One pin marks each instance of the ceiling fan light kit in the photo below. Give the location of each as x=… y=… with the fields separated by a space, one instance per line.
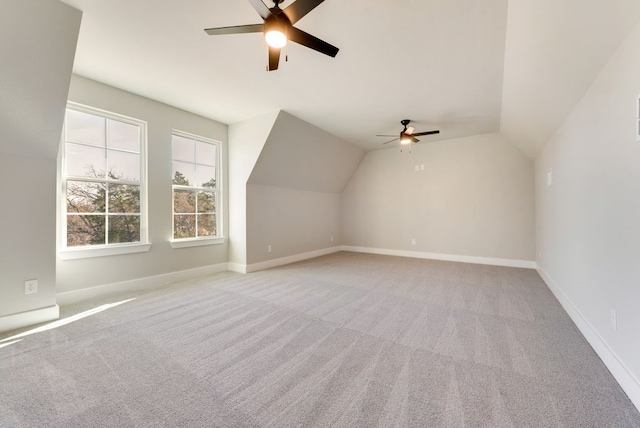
x=407 y=135
x=278 y=29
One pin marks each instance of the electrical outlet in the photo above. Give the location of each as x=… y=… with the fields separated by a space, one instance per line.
x=268 y=248
x=417 y=167
x=413 y=242
x=421 y=167
x=549 y=177
x=331 y=238
x=614 y=319
x=31 y=286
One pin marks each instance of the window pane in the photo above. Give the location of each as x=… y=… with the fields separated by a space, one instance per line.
x=85 y=197
x=183 y=173
x=83 y=161
x=205 y=153
x=184 y=201
x=85 y=230
x=123 y=136
x=206 y=176
x=206 y=225
x=85 y=128
x=124 y=198
x=206 y=202
x=183 y=149
x=184 y=226
x=124 y=166
x=124 y=228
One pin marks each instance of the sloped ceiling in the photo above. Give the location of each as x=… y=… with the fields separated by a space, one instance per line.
x=463 y=66
x=37 y=48
x=438 y=62
x=300 y=156
x=554 y=51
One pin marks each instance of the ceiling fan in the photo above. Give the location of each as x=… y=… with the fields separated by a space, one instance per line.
x=278 y=28
x=407 y=135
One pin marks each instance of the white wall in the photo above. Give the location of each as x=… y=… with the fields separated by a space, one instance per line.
x=38 y=41
x=161 y=259
x=588 y=237
x=246 y=140
x=474 y=198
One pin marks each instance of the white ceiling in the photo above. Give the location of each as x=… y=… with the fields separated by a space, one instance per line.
x=437 y=62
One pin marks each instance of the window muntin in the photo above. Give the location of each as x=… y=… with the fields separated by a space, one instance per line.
x=195 y=181
x=103 y=179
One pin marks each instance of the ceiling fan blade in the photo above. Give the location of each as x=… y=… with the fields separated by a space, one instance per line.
x=299 y=8
x=414 y=139
x=261 y=8
x=312 y=42
x=385 y=135
x=425 y=133
x=410 y=130
x=274 y=58
x=238 y=29
x=391 y=141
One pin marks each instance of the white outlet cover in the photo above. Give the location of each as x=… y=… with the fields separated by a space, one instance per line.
x=31 y=286
x=549 y=177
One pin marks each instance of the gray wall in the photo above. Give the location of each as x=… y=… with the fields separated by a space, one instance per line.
x=293 y=193
x=161 y=259
x=474 y=197
x=291 y=221
x=36 y=57
x=588 y=237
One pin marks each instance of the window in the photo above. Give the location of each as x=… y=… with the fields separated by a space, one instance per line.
x=195 y=188
x=103 y=180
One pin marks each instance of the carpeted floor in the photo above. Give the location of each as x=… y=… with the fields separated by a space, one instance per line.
x=345 y=340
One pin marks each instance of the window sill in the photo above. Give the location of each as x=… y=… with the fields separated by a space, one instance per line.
x=196 y=242
x=102 y=251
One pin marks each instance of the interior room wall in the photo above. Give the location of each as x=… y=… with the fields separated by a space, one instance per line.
x=467 y=197
x=28 y=244
x=290 y=221
x=246 y=140
x=293 y=193
x=36 y=57
x=588 y=235
x=162 y=258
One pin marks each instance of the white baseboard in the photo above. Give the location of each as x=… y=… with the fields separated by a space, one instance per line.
x=529 y=264
x=140 y=284
x=237 y=267
x=289 y=259
x=616 y=366
x=25 y=319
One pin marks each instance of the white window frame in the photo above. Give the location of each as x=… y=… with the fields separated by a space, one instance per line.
x=200 y=240
x=80 y=252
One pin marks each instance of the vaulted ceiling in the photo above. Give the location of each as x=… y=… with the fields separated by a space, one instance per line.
x=462 y=66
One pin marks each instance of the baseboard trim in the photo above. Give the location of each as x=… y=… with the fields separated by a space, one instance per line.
x=237 y=267
x=616 y=366
x=529 y=264
x=140 y=284
x=25 y=319
x=290 y=259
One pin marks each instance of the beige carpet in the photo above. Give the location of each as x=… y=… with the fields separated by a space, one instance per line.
x=343 y=340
